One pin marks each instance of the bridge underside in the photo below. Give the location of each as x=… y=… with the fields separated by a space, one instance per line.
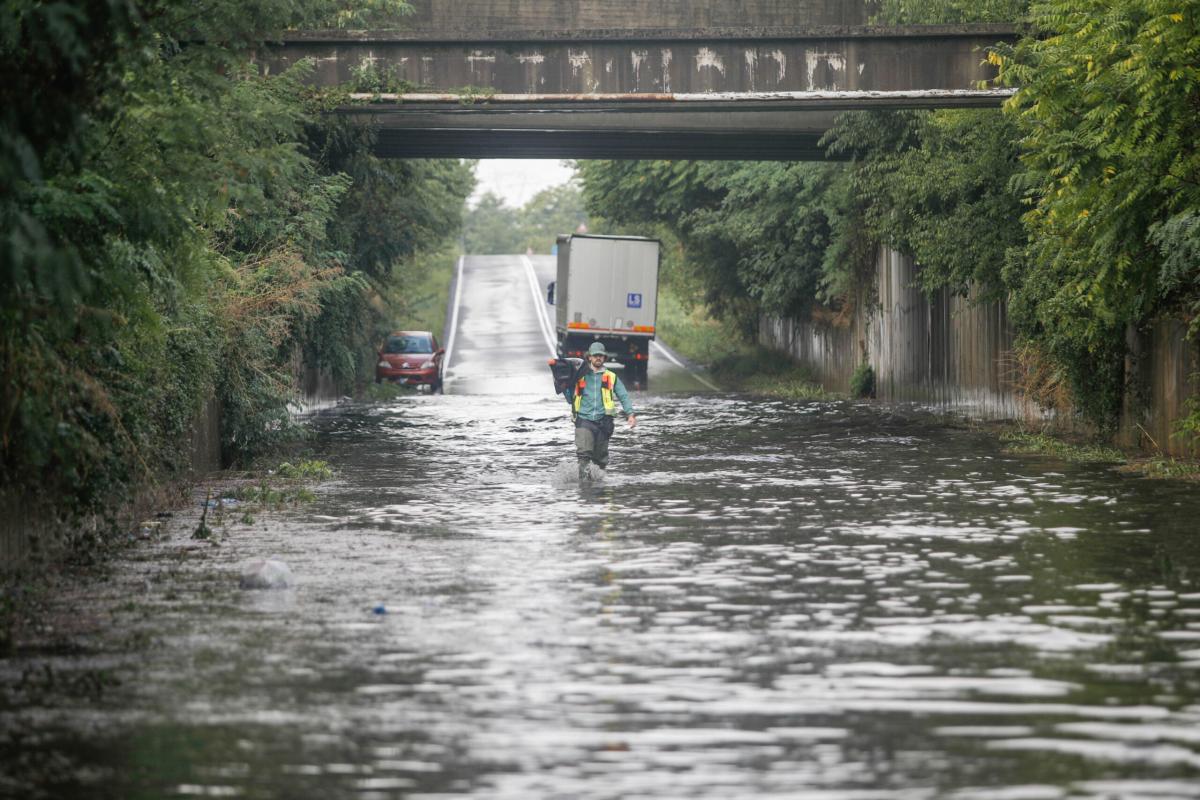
x=519 y=143
x=777 y=129
x=748 y=93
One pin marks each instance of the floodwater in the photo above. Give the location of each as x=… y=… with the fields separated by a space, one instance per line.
x=762 y=599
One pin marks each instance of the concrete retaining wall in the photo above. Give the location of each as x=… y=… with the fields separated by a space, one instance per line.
x=23 y=526
x=1163 y=364
x=952 y=353
x=206 y=438
x=315 y=388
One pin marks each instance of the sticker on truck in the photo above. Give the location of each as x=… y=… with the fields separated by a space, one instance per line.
x=634 y=300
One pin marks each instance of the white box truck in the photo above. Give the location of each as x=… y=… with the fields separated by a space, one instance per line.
x=606 y=290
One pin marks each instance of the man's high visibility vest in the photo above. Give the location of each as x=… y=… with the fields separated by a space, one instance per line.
x=607 y=381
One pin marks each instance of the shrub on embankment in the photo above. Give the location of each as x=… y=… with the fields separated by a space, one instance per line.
x=173 y=226
x=1077 y=203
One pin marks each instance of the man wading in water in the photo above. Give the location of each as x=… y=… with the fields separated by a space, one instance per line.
x=593 y=409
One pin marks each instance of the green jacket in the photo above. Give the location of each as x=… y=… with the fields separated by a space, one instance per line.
x=591 y=406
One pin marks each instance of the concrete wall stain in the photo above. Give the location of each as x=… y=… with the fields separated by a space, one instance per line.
x=714 y=65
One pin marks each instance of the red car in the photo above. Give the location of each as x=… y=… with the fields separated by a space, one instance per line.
x=412 y=358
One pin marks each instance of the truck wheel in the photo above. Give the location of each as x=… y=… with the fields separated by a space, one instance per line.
x=638 y=375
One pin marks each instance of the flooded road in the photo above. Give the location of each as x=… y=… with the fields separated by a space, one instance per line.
x=763 y=599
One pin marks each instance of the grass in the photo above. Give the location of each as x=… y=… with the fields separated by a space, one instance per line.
x=1158 y=466
x=698 y=336
x=307 y=470
x=760 y=370
x=1164 y=467
x=862 y=382
x=795 y=384
x=289 y=483
x=432 y=293
x=1026 y=443
x=268 y=494
x=693 y=332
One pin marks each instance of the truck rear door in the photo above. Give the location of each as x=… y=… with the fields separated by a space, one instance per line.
x=614 y=284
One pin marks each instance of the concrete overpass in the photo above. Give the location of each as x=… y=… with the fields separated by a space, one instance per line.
x=637 y=79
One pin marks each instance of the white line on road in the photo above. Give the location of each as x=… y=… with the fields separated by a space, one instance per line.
x=454 y=317
x=542 y=317
x=671 y=357
x=667 y=353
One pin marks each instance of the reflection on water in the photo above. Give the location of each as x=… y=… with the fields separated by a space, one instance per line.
x=762 y=599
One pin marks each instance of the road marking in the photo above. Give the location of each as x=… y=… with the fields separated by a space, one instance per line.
x=667 y=354
x=454 y=317
x=543 y=317
x=670 y=357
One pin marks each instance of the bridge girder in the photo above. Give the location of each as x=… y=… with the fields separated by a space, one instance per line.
x=733 y=93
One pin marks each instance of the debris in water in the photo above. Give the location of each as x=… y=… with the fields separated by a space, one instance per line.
x=266 y=574
x=202 y=530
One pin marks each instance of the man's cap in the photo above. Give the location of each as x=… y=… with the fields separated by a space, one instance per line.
x=597 y=348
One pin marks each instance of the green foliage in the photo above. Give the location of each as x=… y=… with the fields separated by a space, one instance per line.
x=266 y=493
x=549 y=213
x=286 y=484
x=1107 y=107
x=776 y=223
x=690 y=330
x=750 y=361
x=756 y=369
x=862 y=382
x=935 y=12
x=1178 y=243
x=1078 y=206
x=373 y=14
x=309 y=469
x=494 y=228
x=1047 y=445
x=935 y=185
x=1161 y=467
x=398 y=213
x=756 y=236
x=1190 y=424
x=637 y=192
x=796 y=384
x=418 y=295
x=175 y=226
